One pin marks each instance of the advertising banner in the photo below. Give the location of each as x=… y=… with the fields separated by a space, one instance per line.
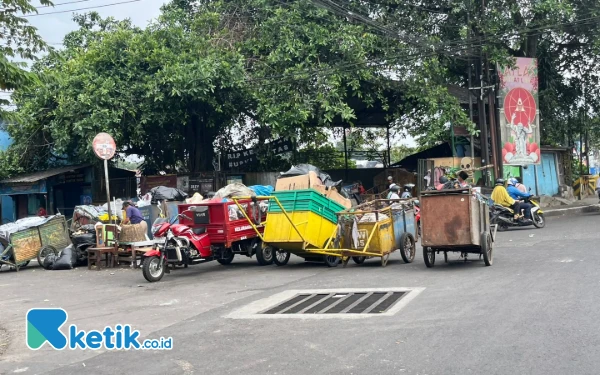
x=519 y=115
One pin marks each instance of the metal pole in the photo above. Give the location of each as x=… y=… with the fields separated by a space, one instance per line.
x=470 y=83
x=389 y=155
x=107 y=190
x=345 y=156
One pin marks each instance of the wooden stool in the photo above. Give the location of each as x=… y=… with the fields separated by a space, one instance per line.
x=133 y=250
x=96 y=255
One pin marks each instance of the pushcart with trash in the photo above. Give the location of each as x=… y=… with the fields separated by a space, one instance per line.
x=32 y=238
x=456 y=220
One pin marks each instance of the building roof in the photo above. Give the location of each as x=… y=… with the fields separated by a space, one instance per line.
x=42 y=175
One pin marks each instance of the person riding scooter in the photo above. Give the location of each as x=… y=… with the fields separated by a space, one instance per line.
x=500 y=196
x=393 y=193
x=517 y=194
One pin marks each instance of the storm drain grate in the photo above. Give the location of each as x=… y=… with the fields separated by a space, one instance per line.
x=342 y=303
x=338 y=303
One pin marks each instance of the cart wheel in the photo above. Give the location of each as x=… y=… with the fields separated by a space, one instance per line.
x=445 y=257
x=407 y=250
x=384 y=259
x=227 y=258
x=487 y=248
x=331 y=260
x=429 y=256
x=281 y=257
x=359 y=260
x=44 y=252
x=264 y=255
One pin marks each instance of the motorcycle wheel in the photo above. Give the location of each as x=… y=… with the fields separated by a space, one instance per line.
x=538 y=220
x=153 y=269
x=227 y=257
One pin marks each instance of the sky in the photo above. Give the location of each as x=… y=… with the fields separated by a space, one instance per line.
x=53 y=27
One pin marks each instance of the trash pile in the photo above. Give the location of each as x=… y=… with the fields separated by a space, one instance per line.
x=306 y=176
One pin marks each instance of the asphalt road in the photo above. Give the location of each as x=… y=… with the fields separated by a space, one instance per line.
x=535 y=311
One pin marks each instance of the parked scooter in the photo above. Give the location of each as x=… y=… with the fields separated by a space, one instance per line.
x=504 y=216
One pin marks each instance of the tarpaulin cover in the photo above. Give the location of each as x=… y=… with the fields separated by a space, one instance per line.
x=163 y=193
x=302 y=169
x=29 y=222
x=263 y=190
x=83 y=215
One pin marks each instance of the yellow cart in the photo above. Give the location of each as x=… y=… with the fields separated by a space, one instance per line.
x=376 y=229
x=299 y=222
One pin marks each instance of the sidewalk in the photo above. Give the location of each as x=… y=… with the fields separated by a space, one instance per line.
x=585 y=205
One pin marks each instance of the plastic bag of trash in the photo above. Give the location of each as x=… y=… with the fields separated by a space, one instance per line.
x=234 y=190
x=49 y=261
x=302 y=169
x=163 y=193
x=196 y=198
x=263 y=190
x=66 y=260
x=372 y=218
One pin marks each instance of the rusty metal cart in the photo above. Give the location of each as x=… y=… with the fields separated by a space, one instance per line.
x=35 y=242
x=458 y=221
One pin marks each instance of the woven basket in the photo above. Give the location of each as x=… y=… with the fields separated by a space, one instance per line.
x=133 y=232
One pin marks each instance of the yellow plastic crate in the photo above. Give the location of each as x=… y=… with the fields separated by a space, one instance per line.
x=280 y=233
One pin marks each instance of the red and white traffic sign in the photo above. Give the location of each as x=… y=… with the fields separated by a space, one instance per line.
x=104 y=146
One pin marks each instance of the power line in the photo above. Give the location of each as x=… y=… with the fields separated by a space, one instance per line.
x=75 y=10
x=65 y=3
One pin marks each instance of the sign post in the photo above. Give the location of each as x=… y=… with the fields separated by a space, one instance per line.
x=105 y=147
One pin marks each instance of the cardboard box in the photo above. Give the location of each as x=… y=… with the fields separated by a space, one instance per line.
x=337 y=197
x=307 y=181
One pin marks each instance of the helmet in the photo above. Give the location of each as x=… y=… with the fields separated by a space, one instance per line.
x=512 y=181
x=443 y=179
x=499 y=181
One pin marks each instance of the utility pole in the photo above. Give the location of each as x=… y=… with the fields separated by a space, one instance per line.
x=469 y=68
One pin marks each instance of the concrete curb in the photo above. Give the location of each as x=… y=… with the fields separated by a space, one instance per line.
x=571 y=211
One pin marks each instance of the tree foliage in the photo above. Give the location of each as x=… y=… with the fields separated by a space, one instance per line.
x=19 y=40
x=212 y=76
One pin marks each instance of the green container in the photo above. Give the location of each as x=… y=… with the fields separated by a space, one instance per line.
x=306 y=200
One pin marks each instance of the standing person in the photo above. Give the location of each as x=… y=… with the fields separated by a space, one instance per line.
x=134 y=217
x=406 y=194
x=361 y=188
x=390 y=180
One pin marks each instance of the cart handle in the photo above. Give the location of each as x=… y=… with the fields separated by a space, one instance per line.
x=266 y=197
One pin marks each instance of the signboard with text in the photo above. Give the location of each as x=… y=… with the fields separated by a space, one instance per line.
x=519 y=115
x=244 y=157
